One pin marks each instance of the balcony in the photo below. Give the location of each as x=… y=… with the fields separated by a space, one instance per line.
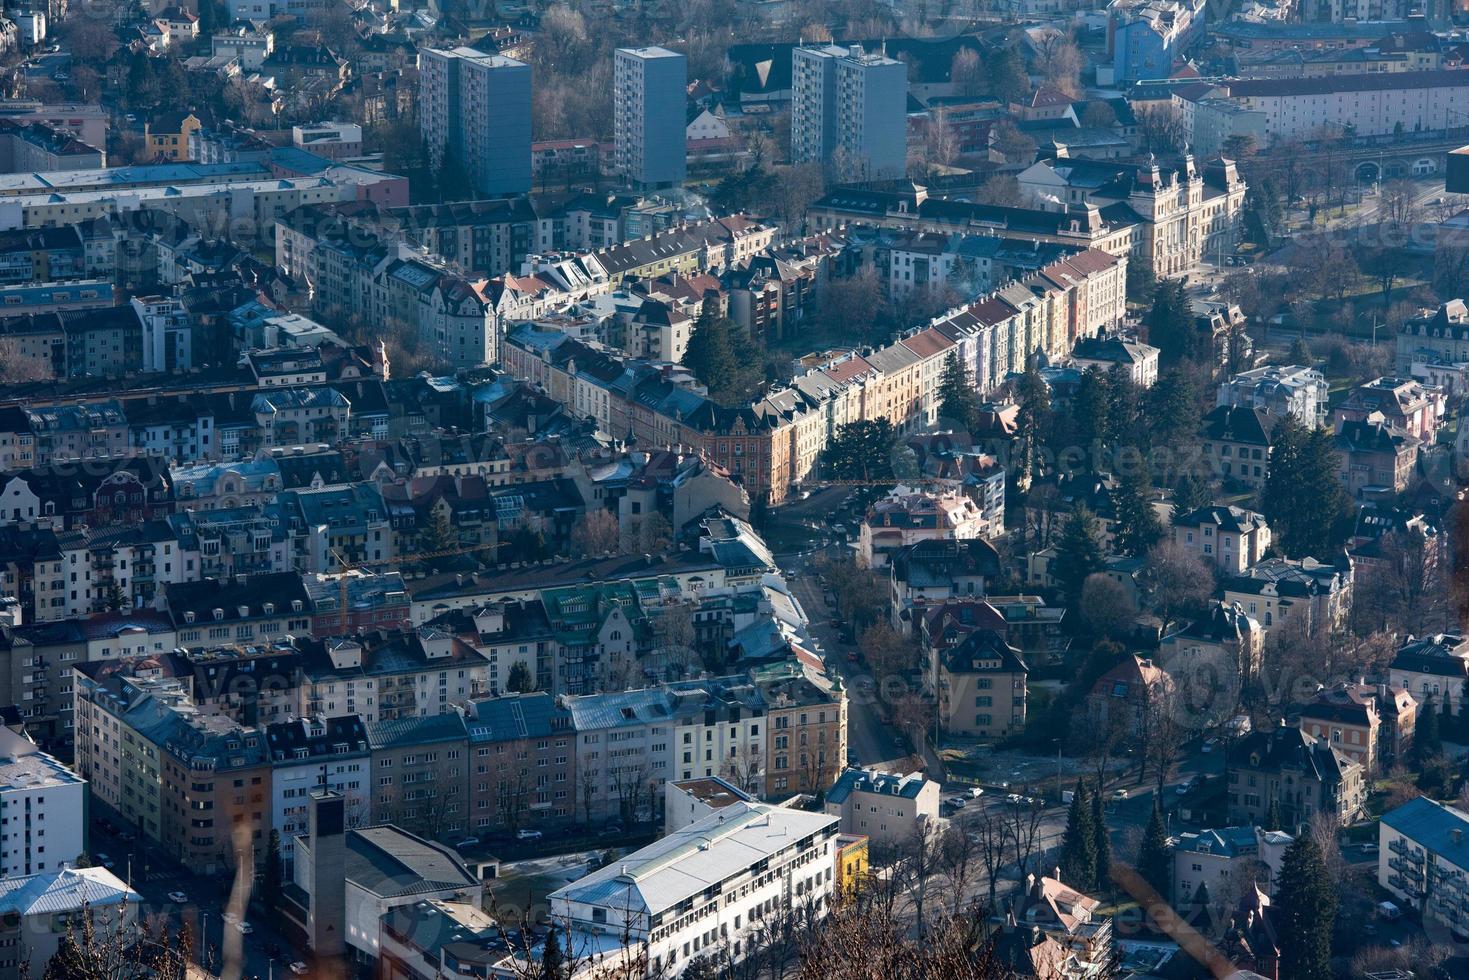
x=1410 y=871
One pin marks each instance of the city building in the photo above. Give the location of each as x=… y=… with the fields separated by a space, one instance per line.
x=1375 y=104
x=649 y=116
x=1228 y=538
x=1218 y=859
x=310 y=755
x=687 y=801
x=908 y=516
x=1236 y=442
x=1126 y=700
x=1423 y=860
x=1289 y=390
x=1145 y=38
x=38 y=911
x=1377 y=459
x=1280 y=590
x=1403 y=403
x=1303 y=775
x=981 y=686
x=1369 y=723
x=476 y=107
x=849 y=111
x=711 y=885
x=888 y=810
x=1432 y=667
x=44 y=805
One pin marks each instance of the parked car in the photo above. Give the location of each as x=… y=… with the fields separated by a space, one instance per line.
x=524 y=834
x=178 y=898
x=957 y=802
x=1014 y=798
x=245 y=928
x=975 y=792
x=468 y=842
x=298 y=968
x=1119 y=794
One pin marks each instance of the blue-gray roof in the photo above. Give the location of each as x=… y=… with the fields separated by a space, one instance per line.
x=855 y=780
x=1432 y=825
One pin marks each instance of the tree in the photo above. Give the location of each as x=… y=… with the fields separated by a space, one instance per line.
x=722 y=357
x=958 y=401
x=116 y=598
x=862 y=450
x=597 y=533
x=1304 y=911
x=1162 y=128
x=1170 y=323
x=1016 y=147
x=553 y=961
x=1427 y=738
x=1155 y=860
x=273 y=879
x=1061 y=63
x=1079 y=552
x=1303 y=498
x=654 y=534
x=1079 y=841
x=1192 y=493
x=967 y=72
x=520 y=680
x=848 y=307
x=1138 y=526
x=1103 y=842
x=439 y=535
x=1107 y=607
x=1008 y=82
x=1098 y=114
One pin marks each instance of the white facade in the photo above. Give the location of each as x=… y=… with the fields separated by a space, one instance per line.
x=291 y=786
x=42 y=810
x=707 y=887
x=1293 y=390
x=849 y=109
x=1374 y=104
x=1423 y=861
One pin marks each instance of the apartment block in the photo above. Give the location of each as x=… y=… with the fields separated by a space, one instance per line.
x=649 y=109
x=849 y=111
x=476 y=107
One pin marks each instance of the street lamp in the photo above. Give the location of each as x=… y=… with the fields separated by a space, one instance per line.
x=1373 y=314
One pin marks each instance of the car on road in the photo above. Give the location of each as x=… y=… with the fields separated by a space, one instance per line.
x=178 y=898
x=957 y=802
x=1014 y=798
x=467 y=842
x=60 y=76
x=524 y=834
x=298 y=968
x=1119 y=794
x=611 y=830
x=244 y=928
x=975 y=792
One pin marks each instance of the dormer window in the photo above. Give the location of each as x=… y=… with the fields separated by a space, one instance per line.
x=295 y=605
x=269 y=608
x=219 y=614
x=189 y=616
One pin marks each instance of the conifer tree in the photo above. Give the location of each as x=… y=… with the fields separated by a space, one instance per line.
x=1079 y=842
x=1155 y=861
x=1303 y=911
x=1103 y=845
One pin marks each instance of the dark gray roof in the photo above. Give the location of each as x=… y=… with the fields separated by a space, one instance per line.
x=390 y=862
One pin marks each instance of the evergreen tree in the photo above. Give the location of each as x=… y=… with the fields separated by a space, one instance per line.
x=1192 y=493
x=1033 y=396
x=116 y=598
x=1138 y=526
x=1304 y=911
x=553 y=961
x=1079 y=842
x=958 y=400
x=1124 y=406
x=1102 y=843
x=520 y=680
x=1171 y=323
x=722 y=356
x=1008 y=81
x=1079 y=552
x=862 y=450
x=1155 y=861
x=1089 y=408
x=1273 y=819
x=1172 y=407
x=1427 y=739
x=274 y=877
x=1461 y=728
x=1303 y=498
x=439 y=535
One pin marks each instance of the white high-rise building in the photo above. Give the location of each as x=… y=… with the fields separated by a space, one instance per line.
x=42 y=810
x=477 y=107
x=650 y=100
x=849 y=109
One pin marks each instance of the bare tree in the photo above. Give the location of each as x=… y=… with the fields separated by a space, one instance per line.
x=597 y=533
x=990 y=834
x=1023 y=828
x=1177 y=579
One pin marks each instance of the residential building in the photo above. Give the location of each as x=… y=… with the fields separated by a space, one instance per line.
x=1083 y=939
x=754 y=862
x=166 y=135
x=1423 y=860
x=1434 y=340
x=1275 y=590
x=936 y=569
x=907 y=516
x=1403 y=403
x=849 y=111
x=39 y=911
x=1225 y=636
x=1377 y=459
x=311 y=755
x=522 y=771
x=649 y=116
x=1377 y=104
x=1126 y=699
x=1216 y=859
x=1228 y=538
x=1368 y=723
x=981 y=686
x=1303 y=775
x=44 y=805
x=1146 y=37
x=477 y=108
x=888 y=810
x=419 y=767
x=1137 y=361
x=687 y=801
x=1432 y=667
x=1290 y=390
x=1236 y=443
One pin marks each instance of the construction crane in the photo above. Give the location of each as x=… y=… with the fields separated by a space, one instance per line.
x=345 y=567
